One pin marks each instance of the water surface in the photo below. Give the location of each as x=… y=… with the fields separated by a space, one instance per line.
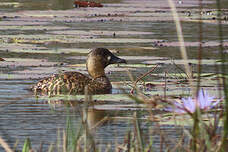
x=39 y=38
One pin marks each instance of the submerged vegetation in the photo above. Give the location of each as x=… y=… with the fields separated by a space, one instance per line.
x=151 y=95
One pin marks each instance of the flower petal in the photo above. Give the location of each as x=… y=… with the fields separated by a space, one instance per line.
x=204 y=101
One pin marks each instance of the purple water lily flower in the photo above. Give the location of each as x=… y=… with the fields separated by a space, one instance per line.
x=203 y=101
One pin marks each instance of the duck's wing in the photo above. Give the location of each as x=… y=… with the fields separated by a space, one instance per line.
x=64 y=83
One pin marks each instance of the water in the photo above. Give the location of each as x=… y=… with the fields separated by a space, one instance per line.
x=23 y=117
x=140 y=32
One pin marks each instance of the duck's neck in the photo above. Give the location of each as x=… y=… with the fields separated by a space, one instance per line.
x=96 y=74
x=99 y=76
x=95 y=68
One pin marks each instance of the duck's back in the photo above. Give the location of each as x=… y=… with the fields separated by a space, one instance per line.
x=72 y=83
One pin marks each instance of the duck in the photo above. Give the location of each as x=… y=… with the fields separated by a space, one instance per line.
x=74 y=83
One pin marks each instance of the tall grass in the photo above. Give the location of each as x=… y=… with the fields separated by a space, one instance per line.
x=183 y=51
x=203 y=140
x=5 y=145
x=224 y=76
x=196 y=115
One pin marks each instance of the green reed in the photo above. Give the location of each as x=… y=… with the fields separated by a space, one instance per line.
x=224 y=75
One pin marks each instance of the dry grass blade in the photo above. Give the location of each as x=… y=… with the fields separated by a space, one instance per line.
x=128 y=141
x=15 y=145
x=64 y=141
x=139 y=78
x=50 y=148
x=105 y=119
x=182 y=45
x=138 y=133
x=5 y=145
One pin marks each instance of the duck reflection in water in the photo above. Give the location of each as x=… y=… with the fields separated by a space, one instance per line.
x=97 y=118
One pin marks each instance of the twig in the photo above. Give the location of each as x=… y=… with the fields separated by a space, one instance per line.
x=165 y=85
x=178 y=67
x=142 y=76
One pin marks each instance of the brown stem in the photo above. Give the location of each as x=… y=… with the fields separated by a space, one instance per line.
x=142 y=76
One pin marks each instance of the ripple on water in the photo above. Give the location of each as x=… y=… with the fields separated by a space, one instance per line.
x=23 y=117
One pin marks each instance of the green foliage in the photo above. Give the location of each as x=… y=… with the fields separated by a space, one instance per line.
x=27 y=145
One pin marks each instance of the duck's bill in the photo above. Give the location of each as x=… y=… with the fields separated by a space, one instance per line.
x=115 y=59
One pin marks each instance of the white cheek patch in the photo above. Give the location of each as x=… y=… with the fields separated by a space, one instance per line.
x=109 y=58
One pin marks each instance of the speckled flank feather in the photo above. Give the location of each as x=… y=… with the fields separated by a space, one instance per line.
x=72 y=83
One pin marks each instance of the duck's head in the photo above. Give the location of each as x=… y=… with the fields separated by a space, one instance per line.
x=98 y=59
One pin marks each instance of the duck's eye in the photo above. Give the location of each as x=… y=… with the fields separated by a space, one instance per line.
x=109 y=58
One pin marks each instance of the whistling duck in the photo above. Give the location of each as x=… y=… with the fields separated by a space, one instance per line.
x=74 y=82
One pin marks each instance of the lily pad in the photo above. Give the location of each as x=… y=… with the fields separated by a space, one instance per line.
x=15 y=62
x=193 y=61
x=185 y=120
x=21 y=23
x=122 y=107
x=126 y=57
x=72 y=39
x=121 y=66
x=99 y=33
x=107 y=97
x=14 y=4
x=194 y=44
x=23 y=48
x=34 y=27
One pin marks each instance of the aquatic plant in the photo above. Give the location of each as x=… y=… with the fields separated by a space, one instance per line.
x=189 y=105
x=27 y=145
